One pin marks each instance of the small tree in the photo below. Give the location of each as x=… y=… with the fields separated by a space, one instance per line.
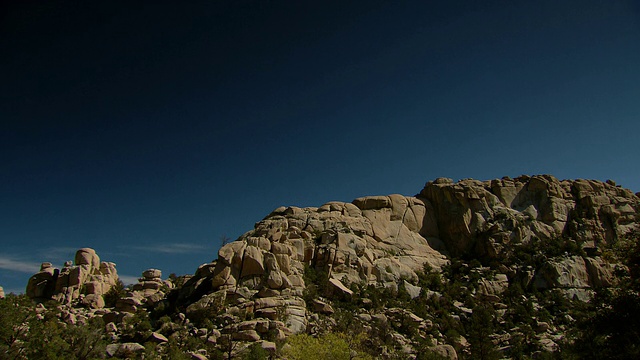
x=480 y=329
x=611 y=327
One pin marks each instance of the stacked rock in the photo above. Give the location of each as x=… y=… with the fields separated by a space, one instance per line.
x=148 y=290
x=86 y=281
x=42 y=284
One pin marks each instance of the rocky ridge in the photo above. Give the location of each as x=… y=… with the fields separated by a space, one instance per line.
x=258 y=285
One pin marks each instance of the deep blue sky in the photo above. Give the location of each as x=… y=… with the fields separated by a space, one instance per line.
x=149 y=130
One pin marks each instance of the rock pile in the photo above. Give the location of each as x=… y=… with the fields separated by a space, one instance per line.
x=149 y=290
x=374 y=239
x=85 y=281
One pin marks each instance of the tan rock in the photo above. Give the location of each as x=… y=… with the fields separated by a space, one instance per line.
x=274 y=280
x=372 y=202
x=269 y=346
x=246 y=335
x=124 y=349
x=337 y=288
x=151 y=274
x=496 y=286
x=197 y=356
x=87 y=256
x=157 y=338
x=322 y=307
x=600 y=272
x=568 y=272
x=231 y=253
x=446 y=351
x=252 y=262
x=93 y=301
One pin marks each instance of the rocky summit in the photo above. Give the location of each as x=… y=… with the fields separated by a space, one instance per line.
x=469 y=269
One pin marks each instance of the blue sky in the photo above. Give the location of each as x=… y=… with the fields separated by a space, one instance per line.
x=148 y=131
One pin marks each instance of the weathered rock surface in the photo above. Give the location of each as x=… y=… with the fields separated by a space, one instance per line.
x=86 y=281
x=373 y=240
x=254 y=289
x=486 y=218
x=386 y=240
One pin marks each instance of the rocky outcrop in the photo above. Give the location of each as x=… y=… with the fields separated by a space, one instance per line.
x=386 y=240
x=1 y=292
x=486 y=218
x=85 y=281
x=372 y=240
x=576 y=275
x=149 y=290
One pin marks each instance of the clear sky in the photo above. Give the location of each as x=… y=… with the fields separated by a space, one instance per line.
x=149 y=130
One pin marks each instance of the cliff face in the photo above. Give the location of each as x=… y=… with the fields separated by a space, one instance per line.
x=476 y=218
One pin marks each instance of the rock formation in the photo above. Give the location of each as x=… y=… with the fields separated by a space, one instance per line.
x=255 y=290
x=386 y=239
x=149 y=290
x=86 y=281
x=1 y=292
x=486 y=218
x=374 y=239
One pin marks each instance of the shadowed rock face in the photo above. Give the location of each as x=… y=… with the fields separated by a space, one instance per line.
x=481 y=218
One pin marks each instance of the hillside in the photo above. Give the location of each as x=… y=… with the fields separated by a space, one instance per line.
x=507 y=268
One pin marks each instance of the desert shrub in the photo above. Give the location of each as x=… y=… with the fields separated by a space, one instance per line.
x=256 y=352
x=316 y=282
x=608 y=327
x=329 y=346
x=137 y=328
x=116 y=292
x=24 y=334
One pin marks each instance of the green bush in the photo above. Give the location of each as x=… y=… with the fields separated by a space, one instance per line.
x=26 y=335
x=329 y=346
x=112 y=296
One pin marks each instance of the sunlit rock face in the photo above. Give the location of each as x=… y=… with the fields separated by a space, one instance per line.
x=374 y=239
x=86 y=279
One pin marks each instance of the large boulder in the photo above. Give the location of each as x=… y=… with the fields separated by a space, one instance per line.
x=41 y=286
x=124 y=350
